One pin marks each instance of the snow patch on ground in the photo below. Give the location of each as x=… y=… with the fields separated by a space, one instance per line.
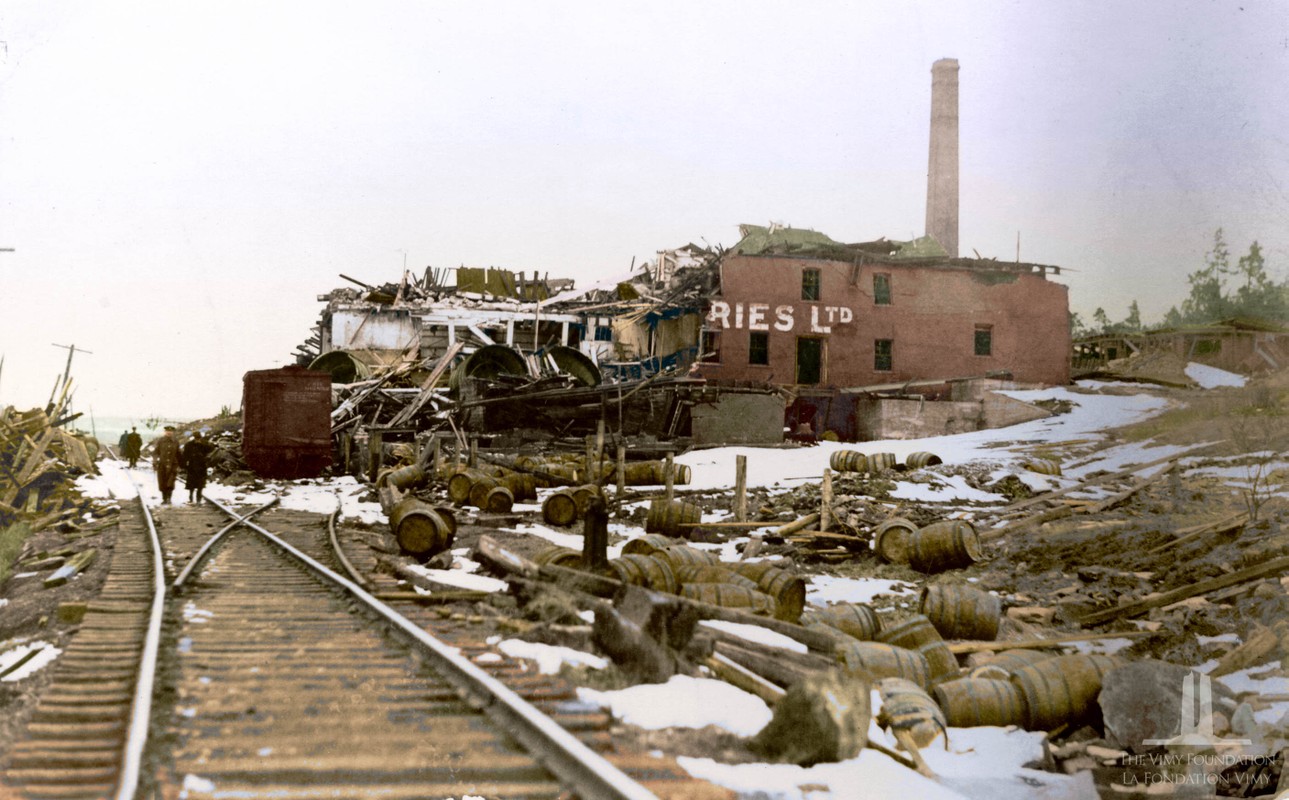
x=1212 y=377
x=461 y=578
x=685 y=702
x=38 y=655
x=825 y=590
x=755 y=633
x=550 y=658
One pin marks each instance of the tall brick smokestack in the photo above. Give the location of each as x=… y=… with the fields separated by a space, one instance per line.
x=942 y=169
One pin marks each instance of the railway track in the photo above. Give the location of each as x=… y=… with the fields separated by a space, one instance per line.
x=276 y=677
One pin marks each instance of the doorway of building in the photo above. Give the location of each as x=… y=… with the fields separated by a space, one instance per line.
x=810 y=360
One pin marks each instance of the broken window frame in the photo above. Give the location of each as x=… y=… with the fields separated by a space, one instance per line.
x=984 y=340
x=758 y=348
x=811 y=284
x=710 y=347
x=881 y=288
x=883 y=355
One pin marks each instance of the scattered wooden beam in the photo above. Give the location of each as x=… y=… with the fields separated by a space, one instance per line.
x=1032 y=644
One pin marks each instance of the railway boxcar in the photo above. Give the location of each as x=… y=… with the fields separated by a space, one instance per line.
x=286 y=422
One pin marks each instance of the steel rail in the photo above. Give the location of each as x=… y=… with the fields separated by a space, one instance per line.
x=201 y=554
x=345 y=563
x=141 y=706
x=571 y=761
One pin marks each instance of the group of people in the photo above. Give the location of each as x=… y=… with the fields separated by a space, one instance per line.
x=168 y=457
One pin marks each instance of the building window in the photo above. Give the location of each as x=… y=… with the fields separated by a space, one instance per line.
x=809 y=284
x=1207 y=347
x=882 y=289
x=758 y=348
x=603 y=333
x=711 y=347
x=883 y=361
x=984 y=340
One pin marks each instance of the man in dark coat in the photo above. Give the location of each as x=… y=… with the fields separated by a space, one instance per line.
x=194 y=461
x=165 y=458
x=123 y=446
x=133 y=446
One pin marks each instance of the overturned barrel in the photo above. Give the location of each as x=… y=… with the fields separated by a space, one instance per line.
x=648 y=544
x=947 y=544
x=460 y=483
x=673 y=519
x=1043 y=466
x=848 y=461
x=962 y=612
x=419 y=529
x=406 y=478
x=892 y=539
x=1006 y=662
x=854 y=619
x=880 y=462
x=557 y=556
x=787 y=589
x=678 y=555
x=711 y=573
x=650 y=573
x=560 y=508
x=1062 y=689
x=907 y=707
x=921 y=459
x=912 y=633
x=730 y=596
x=879 y=660
x=973 y=702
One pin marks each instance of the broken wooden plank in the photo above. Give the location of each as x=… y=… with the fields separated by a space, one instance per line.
x=1060 y=512
x=1186 y=535
x=1032 y=644
x=1115 y=499
x=74 y=566
x=1272 y=567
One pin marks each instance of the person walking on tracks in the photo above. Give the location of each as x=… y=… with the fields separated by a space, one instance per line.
x=166 y=460
x=194 y=461
x=133 y=446
x=123 y=445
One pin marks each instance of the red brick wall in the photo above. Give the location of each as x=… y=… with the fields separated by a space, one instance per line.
x=931 y=321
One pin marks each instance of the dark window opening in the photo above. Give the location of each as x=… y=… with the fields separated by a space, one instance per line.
x=603 y=333
x=758 y=348
x=883 y=360
x=810 y=360
x=1205 y=347
x=809 y=284
x=711 y=347
x=984 y=340
x=882 y=289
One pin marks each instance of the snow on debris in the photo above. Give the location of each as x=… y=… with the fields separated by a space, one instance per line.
x=685 y=702
x=26 y=659
x=825 y=590
x=461 y=579
x=755 y=633
x=550 y=658
x=1212 y=377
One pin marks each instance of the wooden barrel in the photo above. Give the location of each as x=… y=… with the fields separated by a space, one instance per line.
x=892 y=539
x=522 y=486
x=728 y=595
x=418 y=528
x=1011 y=660
x=880 y=462
x=559 y=557
x=406 y=478
x=1043 y=466
x=650 y=573
x=561 y=474
x=848 y=461
x=907 y=707
x=459 y=485
x=1062 y=689
x=498 y=500
x=972 y=702
x=648 y=544
x=855 y=619
x=671 y=518
x=947 y=544
x=654 y=473
x=679 y=555
x=787 y=589
x=912 y=633
x=479 y=491
x=922 y=459
x=940 y=660
x=449 y=516
x=711 y=573
x=962 y=612
x=880 y=660
x=582 y=496
x=560 y=508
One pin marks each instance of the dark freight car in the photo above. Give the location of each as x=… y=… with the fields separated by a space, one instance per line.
x=286 y=422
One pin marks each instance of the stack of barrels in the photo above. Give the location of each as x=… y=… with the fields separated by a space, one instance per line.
x=855 y=461
x=944 y=545
x=659 y=562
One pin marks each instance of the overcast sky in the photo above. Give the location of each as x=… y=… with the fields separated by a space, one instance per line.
x=179 y=181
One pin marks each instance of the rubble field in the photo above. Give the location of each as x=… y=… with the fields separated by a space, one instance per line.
x=1157 y=553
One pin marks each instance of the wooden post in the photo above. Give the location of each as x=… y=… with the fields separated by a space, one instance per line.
x=456 y=456
x=375 y=448
x=622 y=478
x=599 y=451
x=825 y=500
x=346 y=450
x=591 y=475
x=740 y=488
x=474 y=452
x=595 y=535
x=671 y=477
x=436 y=454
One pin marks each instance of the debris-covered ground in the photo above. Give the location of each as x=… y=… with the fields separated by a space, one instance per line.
x=1157 y=550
